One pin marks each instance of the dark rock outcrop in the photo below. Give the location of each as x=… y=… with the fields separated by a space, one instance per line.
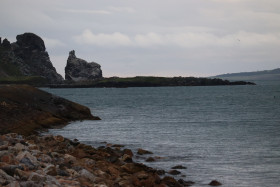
x=25 y=109
x=143 y=152
x=78 y=70
x=33 y=58
x=215 y=183
x=6 y=44
x=27 y=58
x=179 y=167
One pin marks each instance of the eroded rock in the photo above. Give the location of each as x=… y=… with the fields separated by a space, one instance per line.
x=179 y=167
x=79 y=70
x=143 y=152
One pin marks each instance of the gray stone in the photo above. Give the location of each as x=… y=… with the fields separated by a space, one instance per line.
x=2 y=153
x=51 y=181
x=26 y=154
x=45 y=158
x=26 y=161
x=23 y=175
x=36 y=177
x=30 y=184
x=13 y=184
x=4 y=146
x=5 y=178
x=80 y=70
x=174 y=172
x=86 y=174
x=20 y=147
x=69 y=158
x=61 y=172
x=50 y=170
x=10 y=169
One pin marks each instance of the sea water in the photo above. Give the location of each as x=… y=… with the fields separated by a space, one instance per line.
x=227 y=133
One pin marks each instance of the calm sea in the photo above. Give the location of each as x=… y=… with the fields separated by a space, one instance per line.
x=228 y=133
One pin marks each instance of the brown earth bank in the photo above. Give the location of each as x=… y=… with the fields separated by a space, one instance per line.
x=25 y=110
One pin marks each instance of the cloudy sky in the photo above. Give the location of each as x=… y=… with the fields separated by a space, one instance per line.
x=152 y=37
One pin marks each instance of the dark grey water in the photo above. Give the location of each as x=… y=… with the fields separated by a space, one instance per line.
x=228 y=133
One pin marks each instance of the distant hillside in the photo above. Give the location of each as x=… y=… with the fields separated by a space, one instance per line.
x=267 y=75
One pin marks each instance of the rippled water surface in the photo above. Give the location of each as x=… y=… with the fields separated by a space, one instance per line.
x=228 y=133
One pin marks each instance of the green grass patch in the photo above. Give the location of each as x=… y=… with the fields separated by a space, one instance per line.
x=33 y=80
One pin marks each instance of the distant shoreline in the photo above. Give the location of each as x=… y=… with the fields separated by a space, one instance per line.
x=143 y=81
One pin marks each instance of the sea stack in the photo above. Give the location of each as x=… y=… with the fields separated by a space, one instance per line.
x=78 y=70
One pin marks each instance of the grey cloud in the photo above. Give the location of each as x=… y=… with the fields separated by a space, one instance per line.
x=171 y=37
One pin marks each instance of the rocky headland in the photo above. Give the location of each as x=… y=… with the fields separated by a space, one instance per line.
x=25 y=110
x=79 y=70
x=26 y=60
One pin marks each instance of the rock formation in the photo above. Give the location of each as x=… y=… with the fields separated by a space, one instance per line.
x=6 y=44
x=78 y=70
x=25 y=109
x=31 y=49
x=27 y=57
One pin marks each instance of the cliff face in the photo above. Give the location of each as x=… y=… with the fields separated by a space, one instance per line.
x=27 y=57
x=80 y=70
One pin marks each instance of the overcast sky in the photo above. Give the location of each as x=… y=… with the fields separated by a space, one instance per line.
x=152 y=37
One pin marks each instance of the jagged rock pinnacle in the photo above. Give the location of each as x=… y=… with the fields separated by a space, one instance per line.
x=80 y=70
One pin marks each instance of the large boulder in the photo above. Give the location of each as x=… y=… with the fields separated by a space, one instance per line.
x=80 y=70
x=32 y=58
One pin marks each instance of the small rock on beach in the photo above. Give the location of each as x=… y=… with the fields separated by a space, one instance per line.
x=215 y=183
x=143 y=152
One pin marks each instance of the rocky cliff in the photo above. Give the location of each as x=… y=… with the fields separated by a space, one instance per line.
x=27 y=57
x=78 y=70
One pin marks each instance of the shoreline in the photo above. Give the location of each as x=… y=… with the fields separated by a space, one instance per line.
x=28 y=158
x=57 y=161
